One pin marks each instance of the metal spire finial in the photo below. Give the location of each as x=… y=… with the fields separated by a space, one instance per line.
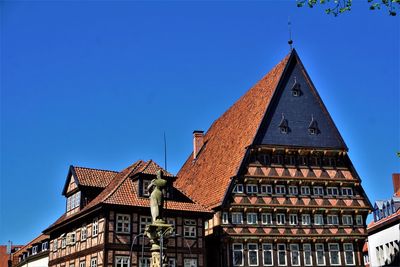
x=290 y=42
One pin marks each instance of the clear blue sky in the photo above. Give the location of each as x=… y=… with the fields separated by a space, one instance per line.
x=97 y=83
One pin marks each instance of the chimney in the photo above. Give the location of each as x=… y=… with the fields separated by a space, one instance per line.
x=198 y=142
x=396 y=183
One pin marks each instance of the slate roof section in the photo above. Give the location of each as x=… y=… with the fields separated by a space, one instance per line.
x=122 y=190
x=208 y=177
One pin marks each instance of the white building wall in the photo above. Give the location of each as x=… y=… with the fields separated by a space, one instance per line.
x=380 y=244
x=42 y=262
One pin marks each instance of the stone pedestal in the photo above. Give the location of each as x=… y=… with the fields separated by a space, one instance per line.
x=158 y=232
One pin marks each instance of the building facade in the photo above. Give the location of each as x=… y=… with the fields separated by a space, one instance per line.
x=384 y=231
x=107 y=212
x=34 y=254
x=275 y=170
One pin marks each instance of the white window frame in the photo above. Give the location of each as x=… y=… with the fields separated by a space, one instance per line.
x=323 y=254
x=280 y=190
x=82 y=264
x=237 y=218
x=330 y=191
x=121 y=261
x=303 y=190
x=352 y=251
x=240 y=250
x=279 y=217
x=253 y=250
x=320 y=220
x=293 y=190
x=359 y=220
x=143 y=221
x=84 y=232
x=332 y=219
x=55 y=244
x=238 y=189
x=145 y=186
x=266 y=218
x=45 y=246
x=123 y=223
x=278 y=252
x=305 y=219
x=318 y=190
x=347 y=191
x=189 y=262
x=268 y=247
x=307 y=248
x=250 y=218
x=190 y=228
x=225 y=218
x=347 y=219
x=334 y=251
x=266 y=189
x=34 y=250
x=93 y=262
x=294 y=248
x=293 y=219
x=95 y=227
x=252 y=189
x=63 y=242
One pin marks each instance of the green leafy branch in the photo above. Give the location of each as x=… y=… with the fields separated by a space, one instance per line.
x=336 y=7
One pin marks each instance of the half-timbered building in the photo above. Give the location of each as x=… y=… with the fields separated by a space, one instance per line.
x=276 y=172
x=107 y=212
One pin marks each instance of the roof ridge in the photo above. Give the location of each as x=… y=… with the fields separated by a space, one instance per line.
x=94 y=169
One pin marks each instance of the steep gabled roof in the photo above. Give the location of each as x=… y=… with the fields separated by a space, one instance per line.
x=122 y=191
x=208 y=177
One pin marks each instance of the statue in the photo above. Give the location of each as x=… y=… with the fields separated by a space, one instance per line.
x=157 y=197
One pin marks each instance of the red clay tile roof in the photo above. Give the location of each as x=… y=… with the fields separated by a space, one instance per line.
x=121 y=191
x=392 y=217
x=23 y=249
x=207 y=178
x=93 y=177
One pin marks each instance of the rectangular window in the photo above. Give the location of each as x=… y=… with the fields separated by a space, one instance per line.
x=93 y=262
x=320 y=254
x=280 y=219
x=281 y=254
x=349 y=254
x=305 y=219
x=252 y=189
x=171 y=262
x=251 y=218
x=145 y=186
x=34 y=250
x=318 y=190
x=359 y=220
x=55 y=244
x=237 y=218
x=190 y=263
x=293 y=190
x=237 y=254
x=347 y=191
x=334 y=255
x=83 y=232
x=307 y=254
x=74 y=201
x=82 y=264
x=332 y=191
x=238 y=188
x=267 y=255
x=293 y=219
x=252 y=250
x=71 y=238
x=123 y=223
x=63 y=242
x=332 y=220
x=144 y=262
x=266 y=189
x=121 y=261
x=225 y=219
x=318 y=219
x=189 y=228
x=280 y=189
x=305 y=190
x=347 y=220
x=95 y=227
x=266 y=218
x=144 y=220
x=295 y=254
x=45 y=246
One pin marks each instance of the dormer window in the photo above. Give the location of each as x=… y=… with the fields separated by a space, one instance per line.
x=296 y=88
x=313 y=127
x=74 y=201
x=283 y=125
x=145 y=188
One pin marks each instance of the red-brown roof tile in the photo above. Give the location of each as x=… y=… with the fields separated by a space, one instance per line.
x=207 y=178
x=93 y=177
x=23 y=249
x=392 y=217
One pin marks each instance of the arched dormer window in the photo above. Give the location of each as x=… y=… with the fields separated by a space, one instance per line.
x=283 y=125
x=313 y=127
x=296 y=88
